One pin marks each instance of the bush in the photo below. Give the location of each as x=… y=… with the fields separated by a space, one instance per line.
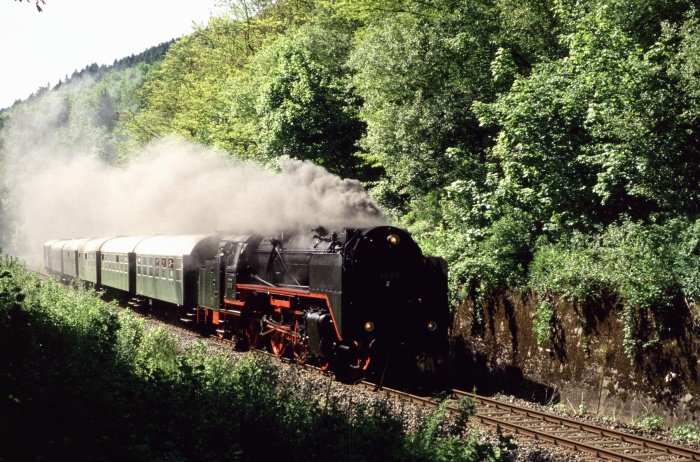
x=649 y=422
x=542 y=324
x=649 y=267
x=687 y=432
x=498 y=261
x=79 y=382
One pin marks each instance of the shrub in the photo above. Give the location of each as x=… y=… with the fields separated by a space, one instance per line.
x=649 y=422
x=542 y=323
x=80 y=382
x=686 y=432
x=648 y=267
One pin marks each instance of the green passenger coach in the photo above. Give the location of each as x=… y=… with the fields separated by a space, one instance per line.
x=116 y=260
x=165 y=265
x=70 y=257
x=48 y=263
x=89 y=258
x=56 y=256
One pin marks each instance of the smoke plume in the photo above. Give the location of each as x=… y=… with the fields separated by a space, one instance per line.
x=173 y=187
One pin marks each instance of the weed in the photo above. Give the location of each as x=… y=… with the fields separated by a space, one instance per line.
x=649 y=422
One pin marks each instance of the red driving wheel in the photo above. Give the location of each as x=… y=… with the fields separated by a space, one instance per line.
x=278 y=343
x=252 y=333
x=301 y=353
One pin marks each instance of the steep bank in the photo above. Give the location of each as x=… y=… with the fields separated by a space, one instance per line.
x=584 y=365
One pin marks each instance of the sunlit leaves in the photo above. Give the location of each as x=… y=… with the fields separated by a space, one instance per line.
x=593 y=135
x=307 y=111
x=418 y=77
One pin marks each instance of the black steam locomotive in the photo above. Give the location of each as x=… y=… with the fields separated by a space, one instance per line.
x=347 y=300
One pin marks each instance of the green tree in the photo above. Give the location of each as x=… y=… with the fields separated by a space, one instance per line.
x=307 y=111
x=203 y=89
x=591 y=136
x=418 y=76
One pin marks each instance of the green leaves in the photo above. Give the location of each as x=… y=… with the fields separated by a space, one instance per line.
x=592 y=135
x=417 y=78
x=646 y=267
x=306 y=109
x=76 y=383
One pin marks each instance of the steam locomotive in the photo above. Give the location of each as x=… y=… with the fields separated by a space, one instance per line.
x=347 y=300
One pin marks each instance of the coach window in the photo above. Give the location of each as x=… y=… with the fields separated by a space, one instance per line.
x=150 y=266
x=178 y=269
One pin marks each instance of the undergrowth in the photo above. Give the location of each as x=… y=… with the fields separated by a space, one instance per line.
x=79 y=381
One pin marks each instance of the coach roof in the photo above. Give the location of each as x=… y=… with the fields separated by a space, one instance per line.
x=174 y=245
x=93 y=245
x=123 y=244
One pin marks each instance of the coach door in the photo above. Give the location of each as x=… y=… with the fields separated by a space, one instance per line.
x=231 y=267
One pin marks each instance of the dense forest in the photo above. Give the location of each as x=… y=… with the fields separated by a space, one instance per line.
x=549 y=146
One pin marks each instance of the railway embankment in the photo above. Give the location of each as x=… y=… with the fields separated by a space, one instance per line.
x=586 y=364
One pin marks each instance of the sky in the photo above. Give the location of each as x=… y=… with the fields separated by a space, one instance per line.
x=37 y=49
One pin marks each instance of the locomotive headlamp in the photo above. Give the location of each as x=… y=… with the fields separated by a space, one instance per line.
x=369 y=326
x=432 y=326
x=393 y=239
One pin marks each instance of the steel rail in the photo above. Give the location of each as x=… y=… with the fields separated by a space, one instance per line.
x=595 y=431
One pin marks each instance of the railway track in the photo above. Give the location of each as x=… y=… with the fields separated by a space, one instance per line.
x=599 y=443
x=590 y=442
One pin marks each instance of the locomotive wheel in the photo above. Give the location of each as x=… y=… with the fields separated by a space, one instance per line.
x=357 y=366
x=278 y=343
x=301 y=353
x=356 y=369
x=252 y=333
x=324 y=364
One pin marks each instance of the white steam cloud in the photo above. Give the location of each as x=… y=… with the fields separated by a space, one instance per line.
x=174 y=187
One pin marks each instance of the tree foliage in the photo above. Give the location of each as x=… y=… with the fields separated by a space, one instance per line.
x=307 y=109
x=501 y=132
x=415 y=75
